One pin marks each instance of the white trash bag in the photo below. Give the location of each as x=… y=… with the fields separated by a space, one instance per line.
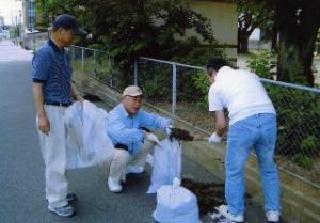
x=88 y=143
x=176 y=204
x=166 y=164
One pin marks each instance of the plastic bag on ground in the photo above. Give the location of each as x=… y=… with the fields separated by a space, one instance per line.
x=166 y=164
x=88 y=143
x=176 y=204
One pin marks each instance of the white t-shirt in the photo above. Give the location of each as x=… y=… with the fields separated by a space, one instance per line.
x=241 y=92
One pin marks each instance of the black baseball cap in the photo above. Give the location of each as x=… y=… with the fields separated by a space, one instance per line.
x=68 y=22
x=216 y=63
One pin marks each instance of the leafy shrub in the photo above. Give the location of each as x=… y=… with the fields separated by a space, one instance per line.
x=261 y=63
x=298 y=126
x=303 y=161
x=200 y=82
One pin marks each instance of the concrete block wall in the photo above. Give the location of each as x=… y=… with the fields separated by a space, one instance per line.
x=301 y=201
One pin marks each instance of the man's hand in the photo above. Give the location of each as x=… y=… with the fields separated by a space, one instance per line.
x=43 y=124
x=151 y=137
x=79 y=98
x=214 y=138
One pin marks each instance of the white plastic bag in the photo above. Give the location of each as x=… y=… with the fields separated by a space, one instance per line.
x=88 y=143
x=176 y=204
x=166 y=164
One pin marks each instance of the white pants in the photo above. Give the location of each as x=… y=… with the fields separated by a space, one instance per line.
x=53 y=149
x=121 y=158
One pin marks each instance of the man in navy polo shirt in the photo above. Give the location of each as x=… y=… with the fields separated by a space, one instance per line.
x=53 y=93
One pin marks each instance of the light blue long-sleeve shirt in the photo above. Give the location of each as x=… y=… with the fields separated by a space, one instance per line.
x=126 y=129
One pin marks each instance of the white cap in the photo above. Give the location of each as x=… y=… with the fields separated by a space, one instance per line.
x=132 y=90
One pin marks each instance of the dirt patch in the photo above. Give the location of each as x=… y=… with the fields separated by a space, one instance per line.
x=209 y=195
x=181 y=135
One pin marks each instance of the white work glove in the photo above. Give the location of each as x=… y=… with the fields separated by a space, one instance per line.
x=214 y=138
x=168 y=130
x=151 y=137
x=150 y=160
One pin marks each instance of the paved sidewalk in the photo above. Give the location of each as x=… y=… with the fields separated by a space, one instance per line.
x=10 y=52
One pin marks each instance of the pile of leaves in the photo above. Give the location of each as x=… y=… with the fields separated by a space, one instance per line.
x=91 y=97
x=181 y=135
x=209 y=195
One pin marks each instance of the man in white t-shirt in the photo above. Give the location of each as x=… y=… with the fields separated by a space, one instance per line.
x=252 y=126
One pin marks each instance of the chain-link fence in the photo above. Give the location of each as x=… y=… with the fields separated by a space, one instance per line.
x=298 y=114
x=182 y=90
x=176 y=88
x=96 y=63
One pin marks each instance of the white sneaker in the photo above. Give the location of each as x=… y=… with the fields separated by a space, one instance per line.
x=222 y=215
x=65 y=211
x=273 y=216
x=135 y=169
x=114 y=185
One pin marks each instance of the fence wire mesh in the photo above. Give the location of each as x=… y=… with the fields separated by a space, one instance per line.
x=298 y=114
x=155 y=79
x=96 y=63
x=182 y=90
x=192 y=90
x=298 y=110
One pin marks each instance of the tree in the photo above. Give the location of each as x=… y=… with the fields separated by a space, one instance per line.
x=133 y=28
x=296 y=23
x=253 y=15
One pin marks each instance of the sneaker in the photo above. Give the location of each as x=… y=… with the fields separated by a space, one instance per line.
x=221 y=215
x=273 y=216
x=71 y=197
x=65 y=211
x=135 y=169
x=114 y=185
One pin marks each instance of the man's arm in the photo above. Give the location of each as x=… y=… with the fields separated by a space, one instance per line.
x=220 y=123
x=75 y=94
x=43 y=122
x=220 y=127
x=154 y=121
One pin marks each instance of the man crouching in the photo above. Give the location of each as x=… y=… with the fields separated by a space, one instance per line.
x=125 y=128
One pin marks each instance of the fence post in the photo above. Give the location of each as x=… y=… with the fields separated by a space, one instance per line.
x=82 y=58
x=174 y=88
x=94 y=58
x=135 y=72
x=110 y=63
x=94 y=64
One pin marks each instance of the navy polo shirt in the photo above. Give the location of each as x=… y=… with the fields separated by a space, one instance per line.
x=51 y=66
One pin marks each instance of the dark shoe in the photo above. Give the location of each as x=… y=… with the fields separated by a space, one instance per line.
x=71 y=197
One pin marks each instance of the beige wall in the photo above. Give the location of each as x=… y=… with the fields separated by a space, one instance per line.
x=223 y=17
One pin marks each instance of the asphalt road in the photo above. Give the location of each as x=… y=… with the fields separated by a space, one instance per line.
x=22 y=194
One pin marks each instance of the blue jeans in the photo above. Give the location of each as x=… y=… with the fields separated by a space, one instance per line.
x=256 y=132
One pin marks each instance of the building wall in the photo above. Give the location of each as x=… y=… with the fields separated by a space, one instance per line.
x=223 y=17
x=28 y=14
